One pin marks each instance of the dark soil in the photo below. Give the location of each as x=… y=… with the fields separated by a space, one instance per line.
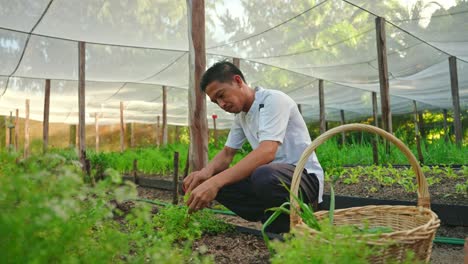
x=245 y=248
x=440 y=193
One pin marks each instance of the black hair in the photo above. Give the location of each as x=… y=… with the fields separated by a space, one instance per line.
x=222 y=71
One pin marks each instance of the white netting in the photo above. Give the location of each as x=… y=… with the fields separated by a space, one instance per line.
x=135 y=47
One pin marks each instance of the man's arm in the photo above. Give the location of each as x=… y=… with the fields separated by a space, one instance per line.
x=202 y=195
x=219 y=163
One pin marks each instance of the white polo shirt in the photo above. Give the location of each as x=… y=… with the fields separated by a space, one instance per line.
x=275 y=116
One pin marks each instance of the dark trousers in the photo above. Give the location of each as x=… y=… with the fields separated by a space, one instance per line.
x=262 y=190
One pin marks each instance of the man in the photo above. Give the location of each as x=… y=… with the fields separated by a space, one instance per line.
x=271 y=122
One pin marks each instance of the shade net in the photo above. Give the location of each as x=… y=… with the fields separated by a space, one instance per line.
x=134 y=48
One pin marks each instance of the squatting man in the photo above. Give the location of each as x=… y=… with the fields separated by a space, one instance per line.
x=271 y=122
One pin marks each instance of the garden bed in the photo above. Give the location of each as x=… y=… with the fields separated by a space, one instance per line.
x=235 y=247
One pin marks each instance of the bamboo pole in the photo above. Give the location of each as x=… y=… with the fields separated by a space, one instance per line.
x=455 y=100
x=26 y=130
x=197 y=99
x=416 y=133
x=82 y=103
x=7 y=135
x=45 y=121
x=122 y=128
x=323 y=125
x=164 y=116
x=383 y=74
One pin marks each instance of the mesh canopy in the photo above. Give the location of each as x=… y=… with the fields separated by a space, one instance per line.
x=134 y=48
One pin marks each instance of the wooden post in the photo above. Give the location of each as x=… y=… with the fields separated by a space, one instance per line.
x=26 y=130
x=446 y=131
x=158 y=137
x=175 y=179
x=416 y=133
x=375 y=151
x=236 y=62
x=383 y=74
x=455 y=100
x=299 y=107
x=164 y=116
x=45 y=121
x=343 y=136
x=122 y=128
x=322 y=108
x=82 y=103
x=197 y=99
x=17 y=131
x=96 y=127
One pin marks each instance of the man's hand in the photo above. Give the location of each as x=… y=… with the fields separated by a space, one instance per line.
x=194 y=179
x=202 y=195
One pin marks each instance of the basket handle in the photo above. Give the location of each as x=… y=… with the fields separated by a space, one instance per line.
x=423 y=191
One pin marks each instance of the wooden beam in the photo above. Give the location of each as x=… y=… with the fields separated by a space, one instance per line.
x=122 y=128
x=323 y=125
x=82 y=103
x=343 y=136
x=455 y=100
x=236 y=62
x=17 y=130
x=416 y=132
x=446 y=131
x=374 y=141
x=164 y=115
x=26 y=130
x=96 y=133
x=197 y=99
x=45 y=121
x=383 y=74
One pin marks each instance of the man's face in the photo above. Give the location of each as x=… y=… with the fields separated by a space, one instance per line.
x=227 y=95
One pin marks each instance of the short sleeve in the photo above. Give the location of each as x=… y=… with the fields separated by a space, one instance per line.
x=273 y=118
x=236 y=137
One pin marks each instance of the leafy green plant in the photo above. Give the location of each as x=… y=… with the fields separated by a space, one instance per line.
x=50 y=215
x=176 y=224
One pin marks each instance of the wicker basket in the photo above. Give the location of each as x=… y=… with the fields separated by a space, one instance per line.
x=414 y=227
